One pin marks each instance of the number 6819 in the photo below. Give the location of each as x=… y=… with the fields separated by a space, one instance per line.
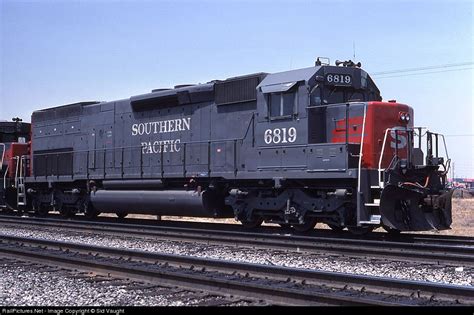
x=280 y=135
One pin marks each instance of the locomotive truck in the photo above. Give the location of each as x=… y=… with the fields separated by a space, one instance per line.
x=294 y=148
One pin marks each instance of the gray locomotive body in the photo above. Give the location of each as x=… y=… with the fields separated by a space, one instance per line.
x=285 y=147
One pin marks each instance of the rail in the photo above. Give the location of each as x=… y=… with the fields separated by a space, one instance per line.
x=213 y=273
x=460 y=252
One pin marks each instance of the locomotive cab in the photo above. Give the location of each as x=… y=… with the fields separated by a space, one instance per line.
x=330 y=121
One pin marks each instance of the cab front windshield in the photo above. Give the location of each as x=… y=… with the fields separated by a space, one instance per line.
x=335 y=95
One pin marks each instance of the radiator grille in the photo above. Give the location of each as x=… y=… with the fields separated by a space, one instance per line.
x=237 y=90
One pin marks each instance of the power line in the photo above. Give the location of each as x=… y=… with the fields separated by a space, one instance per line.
x=410 y=74
x=424 y=68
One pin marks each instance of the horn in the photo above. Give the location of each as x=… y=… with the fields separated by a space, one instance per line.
x=339 y=62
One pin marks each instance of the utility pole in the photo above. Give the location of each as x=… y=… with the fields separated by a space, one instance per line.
x=452 y=173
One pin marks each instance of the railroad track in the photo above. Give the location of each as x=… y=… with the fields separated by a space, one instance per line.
x=273 y=284
x=381 y=249
x=81 y=287
x=456 y=240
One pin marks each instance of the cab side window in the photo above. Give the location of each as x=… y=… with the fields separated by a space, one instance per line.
x=282 y=104
x=315 y=98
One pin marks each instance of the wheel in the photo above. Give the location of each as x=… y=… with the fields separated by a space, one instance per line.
x=391 y=231
x=360 y=230
x=121 y=215
x=252 y=223
x=89 y=211
x=91 y=214
x=307 y=226
x=40 y=210
x=65 y=212
x=336 y=228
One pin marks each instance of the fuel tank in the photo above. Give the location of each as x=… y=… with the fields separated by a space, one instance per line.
x=161 y=202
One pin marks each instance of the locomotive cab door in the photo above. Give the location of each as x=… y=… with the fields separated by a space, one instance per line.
x=280 y=126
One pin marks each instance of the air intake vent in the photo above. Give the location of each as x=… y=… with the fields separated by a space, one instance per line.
x=61 y=112
x=238 y=90
x=183 y=85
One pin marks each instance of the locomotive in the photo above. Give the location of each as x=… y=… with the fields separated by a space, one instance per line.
x=295 y=148
x=14 y=143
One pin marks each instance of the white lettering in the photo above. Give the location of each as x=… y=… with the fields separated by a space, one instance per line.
x=178 y=125
x=155 y=130
x=170 y=146
x=144 y=146
x=163 y=126
x=157 y=127
x=156 y=147
x=149 y=149
x=165 y=145
x=187 y=123
x=134 y=129
x=148 y=128
x=141 y=129
x=171 y=126
x=175 y=145
x=400 y=136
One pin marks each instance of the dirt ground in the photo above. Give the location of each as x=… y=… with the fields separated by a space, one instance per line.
x=463 y=218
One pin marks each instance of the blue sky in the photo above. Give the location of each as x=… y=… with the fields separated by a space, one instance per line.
x=59 y=52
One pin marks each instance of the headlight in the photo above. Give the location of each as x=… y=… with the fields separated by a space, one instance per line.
x=404 y=117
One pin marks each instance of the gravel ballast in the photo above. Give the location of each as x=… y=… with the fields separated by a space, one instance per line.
x=373 y=267
x=32 y=285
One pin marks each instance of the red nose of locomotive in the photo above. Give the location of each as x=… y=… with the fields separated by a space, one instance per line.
x=385 y=133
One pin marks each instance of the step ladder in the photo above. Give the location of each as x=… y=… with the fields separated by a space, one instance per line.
x=375 y=203
x=20 y=181
x=20 y=188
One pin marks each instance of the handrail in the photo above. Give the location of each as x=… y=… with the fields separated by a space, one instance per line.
x=381 y=155
x=16 y=169
x=5 y=178
x=396 y=129
x=361 y=146
x=445 y=147
x=22 y=167
x=137 y=146
x=251 y=123
x=3 y=153
x=420 y=137
x=360 y=163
